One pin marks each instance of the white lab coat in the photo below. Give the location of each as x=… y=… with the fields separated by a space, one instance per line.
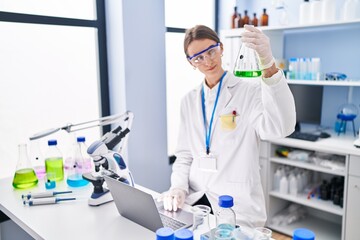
x=263 y=112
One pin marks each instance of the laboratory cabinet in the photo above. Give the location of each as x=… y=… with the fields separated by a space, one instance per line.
x=353 y=200
x=322 y=216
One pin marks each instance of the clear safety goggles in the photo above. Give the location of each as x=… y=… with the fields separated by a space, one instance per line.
x=210 y=52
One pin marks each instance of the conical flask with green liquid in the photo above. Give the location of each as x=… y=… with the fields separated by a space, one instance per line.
x=247 y=63
x=25 y=176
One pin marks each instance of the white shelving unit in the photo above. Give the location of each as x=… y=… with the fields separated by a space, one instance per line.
x=232 y=41
x=305 y=165
x=302 y=199
x=319 y=212
x=349 y=83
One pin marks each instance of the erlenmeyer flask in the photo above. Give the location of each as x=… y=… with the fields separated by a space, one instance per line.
x=25 y=176
x=247 y=63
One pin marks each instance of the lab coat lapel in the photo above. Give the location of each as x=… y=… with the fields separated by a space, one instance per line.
x=198 y=105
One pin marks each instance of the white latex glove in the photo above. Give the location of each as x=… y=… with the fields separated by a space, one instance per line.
x=257 y=40
x=173 y=199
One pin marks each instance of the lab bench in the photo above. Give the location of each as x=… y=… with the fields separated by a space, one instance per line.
x=68 y=220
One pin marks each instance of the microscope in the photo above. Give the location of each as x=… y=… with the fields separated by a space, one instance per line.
x=109 y=162
x=106 y=158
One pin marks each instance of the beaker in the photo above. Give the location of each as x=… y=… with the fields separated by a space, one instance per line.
x=200 y=220
x=25 y=176
x=263 y=233
x=247 y=63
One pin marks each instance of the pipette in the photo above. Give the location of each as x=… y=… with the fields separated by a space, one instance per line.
x=43 y=201
x=43 y=194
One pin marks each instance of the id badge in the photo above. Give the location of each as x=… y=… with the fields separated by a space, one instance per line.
x=207 y=162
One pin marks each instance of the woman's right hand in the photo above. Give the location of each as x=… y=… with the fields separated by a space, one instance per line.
x=173 y=199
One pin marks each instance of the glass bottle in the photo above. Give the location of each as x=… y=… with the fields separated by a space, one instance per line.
x=246 y=19
x=86 y=163
x=255 y=21
x=200 y=220
x=264 y=18
x=24 y=176
x=80 y=164
x=247 y=63
x=54 y=162
x=225 y=216
x=234 y=19
x=240 y=21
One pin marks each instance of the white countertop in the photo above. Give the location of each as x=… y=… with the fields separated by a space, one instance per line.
x=342 y=144
x=68 y=220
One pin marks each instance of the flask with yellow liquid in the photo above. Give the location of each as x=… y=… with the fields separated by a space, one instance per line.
x=25 y=176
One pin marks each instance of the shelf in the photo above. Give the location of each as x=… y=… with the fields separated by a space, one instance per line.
x=305 y=165
x=342 y=24
x=348 y=83
x=324 y=230
x=326 y=206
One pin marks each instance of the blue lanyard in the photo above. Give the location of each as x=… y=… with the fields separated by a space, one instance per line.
x=208 y=132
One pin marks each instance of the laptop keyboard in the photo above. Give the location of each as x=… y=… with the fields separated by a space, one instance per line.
x=171 y=222
x=304 y=136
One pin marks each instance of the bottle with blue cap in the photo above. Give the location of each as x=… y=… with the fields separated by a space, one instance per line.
x=225 y=216
x=54 y=164
x=79 y=164
x=303 y=234
x=165 y=233
x=183 y=234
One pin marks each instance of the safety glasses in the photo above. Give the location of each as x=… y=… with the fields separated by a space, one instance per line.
x=210 y=52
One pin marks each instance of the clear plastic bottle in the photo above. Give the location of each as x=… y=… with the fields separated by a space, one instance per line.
x=277 y=178
x=54 y=164
x=225 y=216
x=304 y=12
x=293 y=185
x=284 y=185
x=81 y=164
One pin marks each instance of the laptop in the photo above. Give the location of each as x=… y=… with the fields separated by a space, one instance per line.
x=140 y=207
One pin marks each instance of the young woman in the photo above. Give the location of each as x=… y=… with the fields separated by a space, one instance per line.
x=222 y=123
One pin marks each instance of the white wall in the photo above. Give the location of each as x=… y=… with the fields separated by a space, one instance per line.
x=136 y=47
